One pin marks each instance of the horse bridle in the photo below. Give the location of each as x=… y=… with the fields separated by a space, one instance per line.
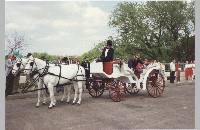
x=18 y=66
x=37 y=70
x=31 y=64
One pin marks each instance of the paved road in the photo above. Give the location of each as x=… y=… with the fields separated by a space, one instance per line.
x=175 y=109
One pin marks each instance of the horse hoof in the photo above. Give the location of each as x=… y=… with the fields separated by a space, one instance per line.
x=49 y=107
x=44 y=103
x=36 y=106
x=54 y=105
x=73 y=103
x=61 y=101
x=67 y=102
x=78 y=104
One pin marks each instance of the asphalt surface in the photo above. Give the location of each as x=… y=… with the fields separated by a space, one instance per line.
x=174 y=109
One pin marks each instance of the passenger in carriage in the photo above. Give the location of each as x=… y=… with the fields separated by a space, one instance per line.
x=130 y=62
x=136 y=61
x=146 y=62
x=107 y=53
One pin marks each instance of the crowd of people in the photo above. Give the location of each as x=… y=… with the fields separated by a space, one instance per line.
x=134 y=63
x=175 y=71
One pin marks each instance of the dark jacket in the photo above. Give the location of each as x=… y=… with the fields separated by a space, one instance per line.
x=130 y=63
x=135 y=63
x=87 y=71
x=109 y=56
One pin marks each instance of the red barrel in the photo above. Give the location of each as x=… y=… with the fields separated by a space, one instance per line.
x=108 y=67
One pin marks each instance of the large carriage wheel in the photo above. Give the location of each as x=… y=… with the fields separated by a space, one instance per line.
x=117 y=90
x=95 y=88
x=132 y=88
x=155 y=84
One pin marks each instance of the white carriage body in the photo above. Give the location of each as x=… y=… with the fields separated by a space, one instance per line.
x=124 y=73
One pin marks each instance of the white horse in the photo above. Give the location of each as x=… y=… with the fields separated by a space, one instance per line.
x=20 y=65
x=62 y=74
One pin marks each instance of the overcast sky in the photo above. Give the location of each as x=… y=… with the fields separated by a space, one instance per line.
x=60 y=28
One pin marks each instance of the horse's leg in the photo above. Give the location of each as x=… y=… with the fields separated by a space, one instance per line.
x=68 y=93
x=50 y=87
x=76 y=90
x=39 y=92
x=80 y=88
x=54 y=100
x=44 y=97
x=63 y=97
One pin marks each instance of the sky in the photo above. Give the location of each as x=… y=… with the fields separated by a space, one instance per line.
x=60 y=28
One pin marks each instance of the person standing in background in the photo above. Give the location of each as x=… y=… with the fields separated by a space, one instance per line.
x=178 y=72
x=76 y=61
x=186 y=70
x=172 y=71
x=193 y=69
x=70 y=60
x=9 y=75
x=17 y=76
x=190 y=72
x=86 y=65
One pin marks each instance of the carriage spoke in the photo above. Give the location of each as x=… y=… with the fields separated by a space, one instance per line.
x=118 y=93
x=156 y=88
x=96 y=89
x=132 y=89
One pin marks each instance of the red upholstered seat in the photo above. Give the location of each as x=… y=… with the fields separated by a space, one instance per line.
x=108 y=67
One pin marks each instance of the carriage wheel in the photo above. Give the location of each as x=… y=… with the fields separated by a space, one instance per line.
x=155 y=84
x=132 y=88
x=95 y=88
x=117 y=93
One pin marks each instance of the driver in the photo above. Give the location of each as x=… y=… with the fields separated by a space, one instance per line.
x=107 y=53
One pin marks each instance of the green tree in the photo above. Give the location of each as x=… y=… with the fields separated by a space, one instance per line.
x=153 y=29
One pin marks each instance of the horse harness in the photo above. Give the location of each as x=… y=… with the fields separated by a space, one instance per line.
x=45 y=72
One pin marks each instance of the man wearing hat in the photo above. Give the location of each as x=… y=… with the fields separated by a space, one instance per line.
x=108 y=52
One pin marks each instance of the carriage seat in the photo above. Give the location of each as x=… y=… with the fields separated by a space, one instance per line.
x=108 y=67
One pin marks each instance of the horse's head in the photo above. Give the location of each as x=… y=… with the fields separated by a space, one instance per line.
x=30 y=66
x=18 y=66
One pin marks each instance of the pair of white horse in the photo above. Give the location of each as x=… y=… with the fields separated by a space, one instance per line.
x=53 y=75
